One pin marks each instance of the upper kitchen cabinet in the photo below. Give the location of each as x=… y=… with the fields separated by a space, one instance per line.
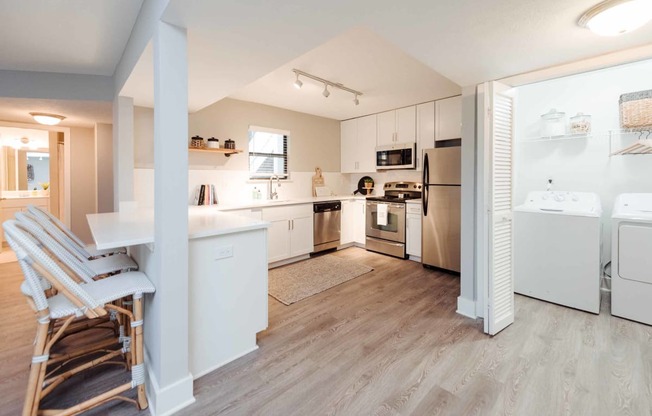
x=358 y=145
x=425 y=130
x=397 y=126
x=448 y=116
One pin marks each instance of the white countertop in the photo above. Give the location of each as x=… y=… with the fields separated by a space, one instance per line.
x=123 y=229
x=265 y=203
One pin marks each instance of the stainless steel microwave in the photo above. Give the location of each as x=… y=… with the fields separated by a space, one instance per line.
x=396 y=156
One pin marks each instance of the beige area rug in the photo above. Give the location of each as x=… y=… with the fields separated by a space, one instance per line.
x=294 y=282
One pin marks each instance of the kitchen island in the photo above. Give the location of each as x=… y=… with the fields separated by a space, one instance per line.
x=227 y=257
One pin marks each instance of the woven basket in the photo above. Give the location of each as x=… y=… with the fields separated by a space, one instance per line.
x=636 y=110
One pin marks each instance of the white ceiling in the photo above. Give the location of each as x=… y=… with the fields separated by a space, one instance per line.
x=37 y=139
x=359 y=59
x=71 y=36
x=234 y=43
x=78 y=113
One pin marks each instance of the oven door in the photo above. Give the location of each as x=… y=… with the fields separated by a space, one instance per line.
x=395 y=228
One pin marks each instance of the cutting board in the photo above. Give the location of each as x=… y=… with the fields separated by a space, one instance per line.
x=317 y=181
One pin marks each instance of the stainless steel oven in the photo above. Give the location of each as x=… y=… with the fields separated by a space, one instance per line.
x=385 y=218
x=388 y=238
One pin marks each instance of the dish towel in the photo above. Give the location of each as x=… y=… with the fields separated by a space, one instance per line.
x=381 y=214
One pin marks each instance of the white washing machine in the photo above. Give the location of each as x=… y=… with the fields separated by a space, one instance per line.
x=557 y=245
x=631 y=257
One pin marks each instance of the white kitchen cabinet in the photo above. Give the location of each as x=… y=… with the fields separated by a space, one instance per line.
x=425 y=130
x=353 y=222
x=359 y=218
x=291 y=232
x=397 y=126
x=413 y=229
x=346 y=222
x=301 y=234
x=448 y=118
x=348 y=145
x=358 y=145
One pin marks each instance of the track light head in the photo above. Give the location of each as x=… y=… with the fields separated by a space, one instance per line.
x=298 y=84
x=355 y=100
x=326 y=93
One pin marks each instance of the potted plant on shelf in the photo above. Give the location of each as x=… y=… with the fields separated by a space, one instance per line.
x=368 y=185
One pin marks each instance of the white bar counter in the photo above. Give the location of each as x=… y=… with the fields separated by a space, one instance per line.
x=227 y=272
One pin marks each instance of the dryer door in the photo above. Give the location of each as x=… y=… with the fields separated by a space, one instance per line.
x=634 y=252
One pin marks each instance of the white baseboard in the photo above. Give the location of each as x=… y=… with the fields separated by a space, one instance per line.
x=225 y=362
x=172 y=398
x=415 y=258
x=466 y=307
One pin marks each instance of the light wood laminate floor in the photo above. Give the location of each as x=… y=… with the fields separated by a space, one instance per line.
x=390 y=343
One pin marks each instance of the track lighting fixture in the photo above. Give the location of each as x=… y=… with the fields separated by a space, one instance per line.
x=327 y=83
x=298 y=84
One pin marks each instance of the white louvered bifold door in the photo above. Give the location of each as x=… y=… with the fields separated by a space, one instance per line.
x=500 y=308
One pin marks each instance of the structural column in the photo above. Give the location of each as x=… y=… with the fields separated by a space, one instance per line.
x=123 y=151
x=169 y=382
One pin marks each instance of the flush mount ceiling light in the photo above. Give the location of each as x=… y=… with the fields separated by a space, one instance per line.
x=616 y=17
x=47 y=119
x=327 y=84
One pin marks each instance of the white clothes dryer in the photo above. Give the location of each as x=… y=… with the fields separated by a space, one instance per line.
x=631 y=257
x=557 y=245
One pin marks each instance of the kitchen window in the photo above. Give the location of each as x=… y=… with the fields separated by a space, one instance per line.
x=268 y=153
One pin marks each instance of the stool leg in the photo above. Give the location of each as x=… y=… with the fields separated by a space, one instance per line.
x=37 y=370
x=137 y=346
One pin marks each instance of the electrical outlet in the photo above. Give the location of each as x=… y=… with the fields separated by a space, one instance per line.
x=223 y=252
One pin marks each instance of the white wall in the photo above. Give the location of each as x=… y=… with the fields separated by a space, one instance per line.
x=82 y=180
x=104 y=157
x=581 y=164
x=314 y=141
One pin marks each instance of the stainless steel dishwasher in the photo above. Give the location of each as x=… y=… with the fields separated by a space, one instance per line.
x=326 y=225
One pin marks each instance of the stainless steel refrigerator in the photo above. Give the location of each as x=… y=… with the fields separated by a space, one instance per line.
x=441 y=199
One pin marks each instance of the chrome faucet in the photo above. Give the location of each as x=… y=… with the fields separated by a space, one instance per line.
x=271 y=193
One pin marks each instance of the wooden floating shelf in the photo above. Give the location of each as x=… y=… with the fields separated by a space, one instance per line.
x=222 y=150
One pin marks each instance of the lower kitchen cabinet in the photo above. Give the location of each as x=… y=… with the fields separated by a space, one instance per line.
x=353 y=222
x=413 y=229
x=291 y=232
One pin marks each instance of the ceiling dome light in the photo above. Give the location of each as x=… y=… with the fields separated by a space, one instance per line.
x=326 y=93
x=47 y=119
x=298 y=84
x=616 y=17
x=355 y=100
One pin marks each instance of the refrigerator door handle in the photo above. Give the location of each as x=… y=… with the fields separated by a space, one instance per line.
x=426 y=174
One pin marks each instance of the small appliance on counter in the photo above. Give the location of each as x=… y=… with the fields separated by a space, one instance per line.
x=385 y=218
